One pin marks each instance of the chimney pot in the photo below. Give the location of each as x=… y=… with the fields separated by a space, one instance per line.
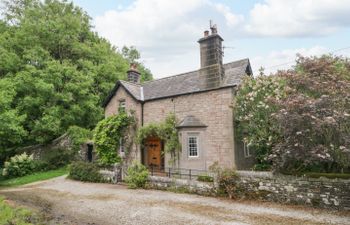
x=214 y=29
x=133 y=66
x=206 y=33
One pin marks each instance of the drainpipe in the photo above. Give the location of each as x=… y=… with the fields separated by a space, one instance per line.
x=141 y=148
x=142 y=103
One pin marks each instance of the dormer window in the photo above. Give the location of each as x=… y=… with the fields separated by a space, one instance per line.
x=121 y=107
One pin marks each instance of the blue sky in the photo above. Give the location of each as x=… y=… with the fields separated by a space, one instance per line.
x=269 y=32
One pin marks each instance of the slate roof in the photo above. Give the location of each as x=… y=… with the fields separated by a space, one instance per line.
x=133 y=89
x=191 y=121
x=185 y=83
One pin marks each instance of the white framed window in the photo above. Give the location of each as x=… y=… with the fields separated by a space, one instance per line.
x=121 y=145
x=246 y=149
x=192 y=146
x=122 y=105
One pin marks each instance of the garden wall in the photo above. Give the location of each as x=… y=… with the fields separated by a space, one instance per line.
x=61 y=144
x=320 y=192
x=191 y=186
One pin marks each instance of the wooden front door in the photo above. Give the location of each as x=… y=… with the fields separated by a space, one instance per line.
x=154 y=152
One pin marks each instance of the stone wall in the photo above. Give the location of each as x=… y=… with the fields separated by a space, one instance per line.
x=320 y=192
x=190 y=186
x=131 y=105
x=213 y=108
x=62 y=143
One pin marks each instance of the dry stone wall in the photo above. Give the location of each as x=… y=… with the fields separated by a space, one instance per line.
x=190 y=186
x=320 y=192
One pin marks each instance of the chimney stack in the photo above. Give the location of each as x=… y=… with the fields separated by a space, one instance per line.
x=133 y=74
x=211 y=72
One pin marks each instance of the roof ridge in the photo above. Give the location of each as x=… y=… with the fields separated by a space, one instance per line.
x=182 y=74
x=123 y=81
x=171 y=76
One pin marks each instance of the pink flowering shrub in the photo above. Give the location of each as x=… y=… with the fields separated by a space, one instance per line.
x=253 y=109
x=308 y=126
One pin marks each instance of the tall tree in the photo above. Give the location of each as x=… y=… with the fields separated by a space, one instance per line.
x=54 y=71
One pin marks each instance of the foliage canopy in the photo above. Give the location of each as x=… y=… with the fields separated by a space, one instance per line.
x=299 y=120
x=54 y=71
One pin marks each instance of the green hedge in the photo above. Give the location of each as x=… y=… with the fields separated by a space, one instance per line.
x=329 y=175
x=205 y=178
x=85 y=171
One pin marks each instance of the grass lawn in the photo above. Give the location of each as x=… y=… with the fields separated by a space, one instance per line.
x=33 y=177
x=10 y=214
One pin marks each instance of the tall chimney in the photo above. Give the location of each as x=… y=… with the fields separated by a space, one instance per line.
x=133 y=74
x=211 y=71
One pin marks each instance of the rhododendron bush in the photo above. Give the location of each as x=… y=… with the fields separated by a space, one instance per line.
x=298 y=120
x=253 y=108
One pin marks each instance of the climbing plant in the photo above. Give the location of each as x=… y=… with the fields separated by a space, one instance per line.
x=108 y=133
x=166 y=131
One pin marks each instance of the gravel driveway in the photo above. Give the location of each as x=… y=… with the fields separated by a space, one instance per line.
x=72 y=202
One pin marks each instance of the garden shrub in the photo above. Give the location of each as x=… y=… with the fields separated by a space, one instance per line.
x=41 y=165
x=85 y=171
x=314 y=118
x=205 y=178
x=137 y=175
x=226 y=179
x=57 y=158
x=19 y=165
x=253 y=107
x=298 y=120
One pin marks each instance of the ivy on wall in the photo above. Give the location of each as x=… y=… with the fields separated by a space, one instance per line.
x=108 y=133
x=166 y=131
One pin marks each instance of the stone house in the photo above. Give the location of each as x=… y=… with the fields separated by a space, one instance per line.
x=201 y=100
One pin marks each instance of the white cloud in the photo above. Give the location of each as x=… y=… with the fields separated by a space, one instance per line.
x=298 y=18
x=284 y=59
x=232 y=19
x=165 y=31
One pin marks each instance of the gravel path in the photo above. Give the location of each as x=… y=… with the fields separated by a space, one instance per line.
x=72 y=202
